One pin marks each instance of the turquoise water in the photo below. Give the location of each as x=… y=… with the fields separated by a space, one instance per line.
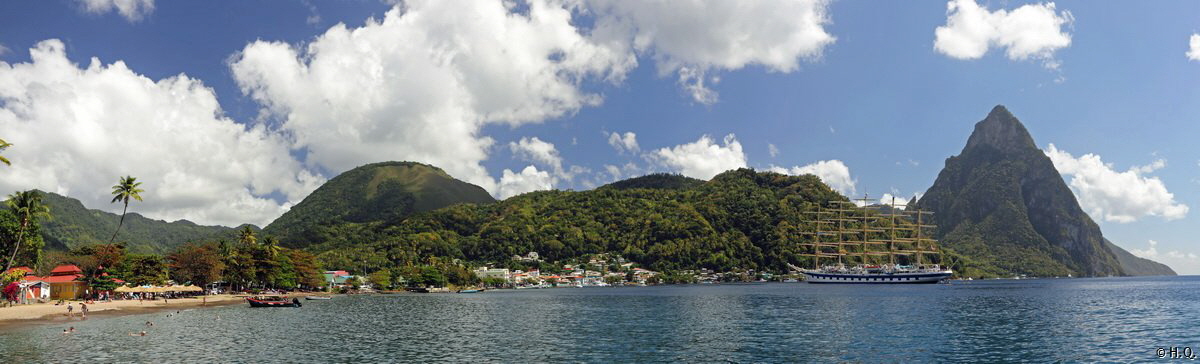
x=1110 y=319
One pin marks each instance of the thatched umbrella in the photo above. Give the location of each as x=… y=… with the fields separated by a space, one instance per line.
x=124 y=289
x=193 y=288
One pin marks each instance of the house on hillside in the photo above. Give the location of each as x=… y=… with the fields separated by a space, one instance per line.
x=485 y=272
x=65 y=283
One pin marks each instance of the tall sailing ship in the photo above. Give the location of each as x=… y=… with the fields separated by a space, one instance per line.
x=857 y=243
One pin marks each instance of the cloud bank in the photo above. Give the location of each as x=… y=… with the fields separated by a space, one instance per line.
x=132 y=10
x=703 y=158
x=1117 y=196
x=1030 y=31
x=76 y=129
x=833 y=172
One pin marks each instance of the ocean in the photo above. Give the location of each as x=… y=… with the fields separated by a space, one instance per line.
x=1036 y=320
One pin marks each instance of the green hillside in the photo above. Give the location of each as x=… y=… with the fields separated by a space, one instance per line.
x=1003 y=205
x=379 y=192
x=1137 y=266
x=657 y=181
x=74 y=225
x=740 y=219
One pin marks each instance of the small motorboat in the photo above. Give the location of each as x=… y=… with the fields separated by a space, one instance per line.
x=273 y=302
x=470 y=291
x=314 y=298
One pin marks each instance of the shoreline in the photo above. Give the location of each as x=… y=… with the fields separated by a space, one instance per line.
x=50 y=314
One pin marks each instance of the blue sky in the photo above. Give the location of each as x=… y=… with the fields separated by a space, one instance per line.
x=874 y=96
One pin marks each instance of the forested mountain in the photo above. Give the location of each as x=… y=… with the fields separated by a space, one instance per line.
x=740 y=219
x=1138 y=266
x=656 y=181
x=1001 y=203
x=378 y=192
x=72 y=225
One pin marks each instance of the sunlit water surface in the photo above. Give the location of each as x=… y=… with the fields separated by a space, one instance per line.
x=1110 y=319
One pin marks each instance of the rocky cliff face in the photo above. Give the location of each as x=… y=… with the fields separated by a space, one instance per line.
x=1002 y=203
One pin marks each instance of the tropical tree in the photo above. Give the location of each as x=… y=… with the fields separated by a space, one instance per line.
x=125 y=189
x=271 y=246
x=200 y=264
x=4 y=145
x=145 y=269
x=246 y=236
x=28 y=207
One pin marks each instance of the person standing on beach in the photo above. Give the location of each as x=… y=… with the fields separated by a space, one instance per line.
x=69 y=309
x=83 y=309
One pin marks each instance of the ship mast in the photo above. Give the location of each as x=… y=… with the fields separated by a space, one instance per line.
x=843 y=219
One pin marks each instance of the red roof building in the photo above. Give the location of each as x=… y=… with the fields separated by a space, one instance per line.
x=66 y=269
x=63 y=282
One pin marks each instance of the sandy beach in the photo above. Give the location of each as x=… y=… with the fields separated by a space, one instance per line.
x=48 y=313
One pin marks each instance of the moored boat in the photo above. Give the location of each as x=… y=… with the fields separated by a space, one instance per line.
x=273 y=302
x=932 y=274
x=313 y=298
x=881 y=244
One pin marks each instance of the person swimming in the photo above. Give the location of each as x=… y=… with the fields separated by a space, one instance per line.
x=148 y=323
x=143 y=333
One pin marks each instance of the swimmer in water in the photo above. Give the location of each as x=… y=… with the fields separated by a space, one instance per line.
x=143 y=333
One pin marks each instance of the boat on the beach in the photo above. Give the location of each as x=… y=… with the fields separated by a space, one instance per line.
x=313 y=298
x=273 y=302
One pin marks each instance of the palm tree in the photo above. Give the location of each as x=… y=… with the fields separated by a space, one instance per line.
x=246 y=236
x=271 y=244
x=28 y=207
x=4 y=145
x=126 y=188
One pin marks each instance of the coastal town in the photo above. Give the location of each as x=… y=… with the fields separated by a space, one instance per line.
x=67 y=286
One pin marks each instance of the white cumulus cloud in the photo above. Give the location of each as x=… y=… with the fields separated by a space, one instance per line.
x=536 y=150
x=626 y=142
x=420 y=83
x=703 y=158
x=693 y=38
x=1193 y=52
x=1029 y=31
x=1117 y=196
x=75 y=130
x=528 y=180
x=833 y=172
x=132 y=10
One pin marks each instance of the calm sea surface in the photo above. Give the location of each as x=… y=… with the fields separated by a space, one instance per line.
x=1111 y=319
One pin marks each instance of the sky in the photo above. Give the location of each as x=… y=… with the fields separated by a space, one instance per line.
x=232 y=111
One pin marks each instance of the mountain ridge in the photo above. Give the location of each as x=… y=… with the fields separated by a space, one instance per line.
x=74 y=225
x=376 y=192
x=1002 y=202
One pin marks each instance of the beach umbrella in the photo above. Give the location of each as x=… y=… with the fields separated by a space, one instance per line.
x=123 y=289
x=193 y=288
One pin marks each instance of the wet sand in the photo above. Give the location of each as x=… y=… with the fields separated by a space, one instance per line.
x=48 y=313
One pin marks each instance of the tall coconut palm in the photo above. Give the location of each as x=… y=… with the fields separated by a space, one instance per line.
x=4 y=145
x=271 y=245
x=125 y=189
x=28 y=207
x=246 y=236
